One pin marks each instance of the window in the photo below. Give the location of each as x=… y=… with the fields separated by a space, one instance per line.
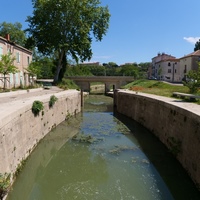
x=175 y=70
x=169 y=64
x=18 y=57
x=169 y=70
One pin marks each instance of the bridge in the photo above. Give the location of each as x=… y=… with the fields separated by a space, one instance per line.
x=109 y=81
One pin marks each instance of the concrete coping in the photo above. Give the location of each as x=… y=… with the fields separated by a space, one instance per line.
x=192 y=107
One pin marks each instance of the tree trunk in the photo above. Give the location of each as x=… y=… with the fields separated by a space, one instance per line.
x=4 y=84
x=59 y=66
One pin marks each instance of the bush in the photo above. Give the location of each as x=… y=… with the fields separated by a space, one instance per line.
x=4 y=184
x=37 y=107
x=68 y=84
x=52 y=101
x=193 y=82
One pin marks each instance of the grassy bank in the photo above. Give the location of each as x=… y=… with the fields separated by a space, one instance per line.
x=156 y=87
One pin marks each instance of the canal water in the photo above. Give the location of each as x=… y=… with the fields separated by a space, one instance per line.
x=97 y=155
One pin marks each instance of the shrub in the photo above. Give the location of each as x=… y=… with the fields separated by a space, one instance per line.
x=52 y=101
x=67 y=84
x=37 y=107
x=4 y=184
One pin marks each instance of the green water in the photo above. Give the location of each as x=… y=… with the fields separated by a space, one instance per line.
x=106 y=160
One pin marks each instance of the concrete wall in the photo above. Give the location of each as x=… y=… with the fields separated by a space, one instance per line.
x=176 y=127
x=20 y=130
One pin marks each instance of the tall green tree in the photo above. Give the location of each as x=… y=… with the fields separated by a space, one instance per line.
x=67 y=28
x=15 y=31
x=7 y=66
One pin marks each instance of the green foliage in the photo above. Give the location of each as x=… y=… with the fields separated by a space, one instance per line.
x=34 y=69
x=129 y=70
x=79 y=70
x=194 y=80
x=7 y=66
x=16 y=34
x=52 y=100
x=197 y=45
x=70 y=24
x=67 y=84
x=4 y=184
x=37 y=107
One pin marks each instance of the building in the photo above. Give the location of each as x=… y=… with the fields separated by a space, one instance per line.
x=155 y=70
x=23 y=57
x=168 y=70
x=189 y=62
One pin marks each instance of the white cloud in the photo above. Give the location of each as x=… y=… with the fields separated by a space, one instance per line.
x=192 y=40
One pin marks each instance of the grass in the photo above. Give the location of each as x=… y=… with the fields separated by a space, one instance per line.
x=67 y=84
x=156 y=87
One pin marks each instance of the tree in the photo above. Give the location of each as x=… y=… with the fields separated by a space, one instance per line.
x=15 y=31
x=66 y=28
x=7 y=66
x=193 y=82
x=129 y=70
x=197 y=45
x=34 y=69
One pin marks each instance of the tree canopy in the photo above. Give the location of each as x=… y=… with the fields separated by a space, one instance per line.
x=193 y=82
x=15 y=31
x=67 y=28
x=197 y=45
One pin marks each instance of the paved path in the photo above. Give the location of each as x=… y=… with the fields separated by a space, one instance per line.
x=23 y=94
x=10 y=102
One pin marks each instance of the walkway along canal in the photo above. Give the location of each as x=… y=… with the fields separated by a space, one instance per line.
x=98 y=156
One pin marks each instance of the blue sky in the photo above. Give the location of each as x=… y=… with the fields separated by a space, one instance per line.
x=139 y=29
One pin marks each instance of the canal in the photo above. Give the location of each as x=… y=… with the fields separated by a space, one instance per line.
x=97 y=155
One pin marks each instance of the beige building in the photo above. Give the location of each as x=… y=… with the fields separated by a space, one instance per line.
x=168 y=70
x=189 y=62
x=155 y=70
x=23 y=57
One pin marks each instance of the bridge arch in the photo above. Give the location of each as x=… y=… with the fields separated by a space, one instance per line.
x=116 y=81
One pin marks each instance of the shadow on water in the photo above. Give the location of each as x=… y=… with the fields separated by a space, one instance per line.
x=173 y=174
x=178 y=181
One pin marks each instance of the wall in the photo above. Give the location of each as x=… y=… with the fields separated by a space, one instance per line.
x=177 y=128
x=20 y=131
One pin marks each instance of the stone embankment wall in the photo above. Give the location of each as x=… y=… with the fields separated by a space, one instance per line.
x=20 y=130
x=176 y=127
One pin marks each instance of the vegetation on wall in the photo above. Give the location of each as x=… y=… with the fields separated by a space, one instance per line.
x=37 y=107
x=52 y=100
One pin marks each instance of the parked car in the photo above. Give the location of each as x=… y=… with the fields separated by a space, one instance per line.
x=152 y=78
